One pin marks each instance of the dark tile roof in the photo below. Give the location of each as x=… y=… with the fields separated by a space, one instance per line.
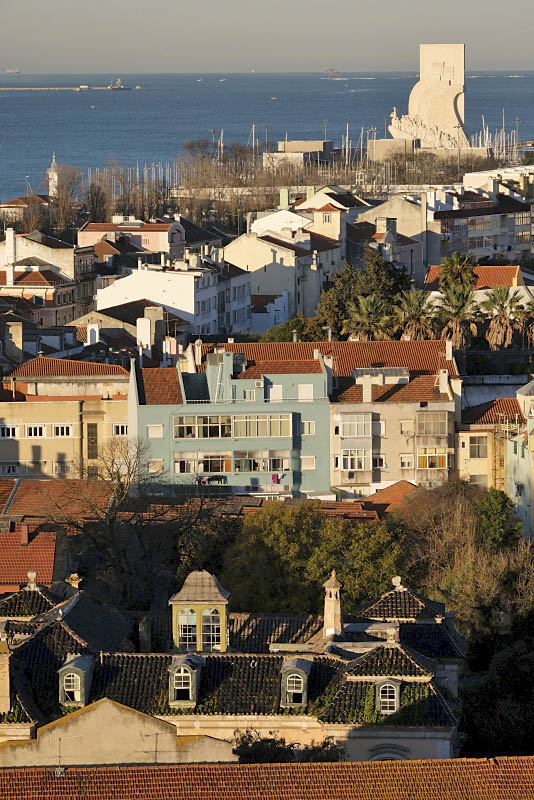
x=195 y=234
x=130 y=312
x=48 y=241
x=361 y=232
x=504 y=205
x=430 y=779
x=201 y=587
x=494 y=412
x=26 y=603
x=432 y=641
x=402 y=604
x=387 y=661
x=317 y=242
x=421 y=705
x=158 y=386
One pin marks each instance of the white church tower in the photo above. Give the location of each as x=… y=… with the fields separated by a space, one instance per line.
x=53 y=177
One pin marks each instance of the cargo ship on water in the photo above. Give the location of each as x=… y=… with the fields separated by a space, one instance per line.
x=12 y=71
x=330 y=72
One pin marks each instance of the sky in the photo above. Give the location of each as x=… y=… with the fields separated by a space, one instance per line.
x=139 y=36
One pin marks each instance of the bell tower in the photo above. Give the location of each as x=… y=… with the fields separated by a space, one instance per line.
x=332 y=624
x=53 y=177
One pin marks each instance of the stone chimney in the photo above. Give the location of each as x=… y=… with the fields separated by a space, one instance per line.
x=332 y=624
x=198 y=352
x=31 y=586
x=11 y=246
x=367 y=389
x=448 y=349
x=5 y=682
x=443 y=377
x=24 y=535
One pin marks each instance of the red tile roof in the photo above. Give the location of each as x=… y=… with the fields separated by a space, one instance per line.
x=56 y=499
x=329 y=207
x=418 y=357
x=443 y=779
x=6 y=487
x=504 y=409
x=420 y=389
x=103 y=227
x=259 y=368
x=16 y=560
x=159 y=386
x=386 y=500
x=58 y=367
x=45 y=277
x=487 y=277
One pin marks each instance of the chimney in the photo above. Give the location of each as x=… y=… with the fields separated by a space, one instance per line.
x=367 y=389
x=24 y=535
x=31 y=585
x=332 y=623
x=139 y=262
x=5 y=683
x=198 y=352
x=145 y=635
x=443 y=376
x=294 y=332
x=448 y=349
x=11 y=246
x=162 y=258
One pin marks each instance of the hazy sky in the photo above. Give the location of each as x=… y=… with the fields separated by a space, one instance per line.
x=122 y=36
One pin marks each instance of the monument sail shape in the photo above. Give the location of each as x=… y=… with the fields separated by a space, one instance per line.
x=436 y=110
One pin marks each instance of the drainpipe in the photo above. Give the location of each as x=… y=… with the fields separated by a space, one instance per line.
x=80 y=420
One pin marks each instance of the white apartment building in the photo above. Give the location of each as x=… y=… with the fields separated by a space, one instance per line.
x=212 y=296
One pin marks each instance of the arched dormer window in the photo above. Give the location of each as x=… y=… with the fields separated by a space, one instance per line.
x=182 y=684
x=211 y=629
x=72 y=687
x=187 y=621
x=294 y=689
x=388 y=698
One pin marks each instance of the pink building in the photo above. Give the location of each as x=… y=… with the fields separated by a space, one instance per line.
x=154 y=237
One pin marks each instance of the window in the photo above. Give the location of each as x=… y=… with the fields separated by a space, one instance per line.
x=276 y=393
x=38 y=301
x=307 y=428
x=120 y=430
x=62 y=431
x=262 y=461
x=406 y=427
x=9 y=469
x=356 y=425
x=35 y=431
x=305 y=392
x=216 y=426
x=432 y=423
x=379 y=462
x=72 y=687
x=187 y=634
x=387 y=699
x=307 y=463
x=406 y=461
x=249 y=395
x=154 y=431
x=326 y=219
x=432 y=458
x=294 y=689
x=182 y=684
x=92 y=440
x=8 y=432
x=92 y=473
x=248 y=426
x=211 y=630
x=60 y=468
x=479 y=480
x=356 y=459
x=478 y=447
x=155 y=466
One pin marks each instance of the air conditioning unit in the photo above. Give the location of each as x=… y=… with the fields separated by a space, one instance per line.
x=258 y=384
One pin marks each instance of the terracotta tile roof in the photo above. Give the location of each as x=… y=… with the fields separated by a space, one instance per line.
x=41 y=367
x=323 y=243
x=345 y=510
x=386 y=661
x=402 y=604
x=487 y=277
x=420 y=389
x=386 y=500
x=56 y=498
x=418 y=357
x=159 y=386
x=329 y=207
x=256 y=370
x=44 y=277
x=443 y=779
x=6 y=487
x=16 y=560
x=503 y=409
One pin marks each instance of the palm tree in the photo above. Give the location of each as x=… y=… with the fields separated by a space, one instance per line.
x=414 y=315
x=526 y=321
x=505 y=311
x=458 y=314
x=457 y=269
x=368 y=319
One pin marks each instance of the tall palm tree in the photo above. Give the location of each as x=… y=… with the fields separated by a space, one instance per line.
x=414 y=315
x=526 y=321
x=368 y=319
x=504 y=310
x=457 y=269
x=458 y=315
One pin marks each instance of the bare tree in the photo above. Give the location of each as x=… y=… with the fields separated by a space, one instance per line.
x=33 y=214
x=65 y=196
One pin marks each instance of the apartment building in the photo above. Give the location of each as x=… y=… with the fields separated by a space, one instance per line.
x=155 y=237
x=56 y=414
x=237 y=425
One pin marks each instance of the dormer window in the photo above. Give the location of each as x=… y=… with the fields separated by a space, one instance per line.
x=188 y=629
x=294 y=689
x=211 y=629
x=182 y=684
x=72 y=687
x=388 y=697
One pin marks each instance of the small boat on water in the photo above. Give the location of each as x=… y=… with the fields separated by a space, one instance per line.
x=118 y=86
x=12 y=71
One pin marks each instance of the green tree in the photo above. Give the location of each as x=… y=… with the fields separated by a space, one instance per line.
x=308 y=329
x=458 y=315
x=457 y=270
x=414 y=315
x=252 y=748
x=498 y=525
x=380 y=277
x=332 y=308
x=368 y=319
x=294 y=549
x=504 y=310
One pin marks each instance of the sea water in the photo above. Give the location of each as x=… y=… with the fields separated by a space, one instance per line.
x=90 y=129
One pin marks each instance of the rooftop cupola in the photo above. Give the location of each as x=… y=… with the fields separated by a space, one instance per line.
x=332 y=625
x=199 y=615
